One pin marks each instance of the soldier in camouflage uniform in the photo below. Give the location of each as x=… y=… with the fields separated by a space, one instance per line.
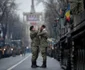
x=34 y=46
x=43 y=44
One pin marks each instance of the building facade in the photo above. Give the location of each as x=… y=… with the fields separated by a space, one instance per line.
x=33 y=18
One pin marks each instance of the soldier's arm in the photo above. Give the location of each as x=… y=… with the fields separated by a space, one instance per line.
x=44 y=34
x=41 y=33
x=33 y=34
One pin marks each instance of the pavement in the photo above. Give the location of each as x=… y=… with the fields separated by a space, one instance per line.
x=24 y=63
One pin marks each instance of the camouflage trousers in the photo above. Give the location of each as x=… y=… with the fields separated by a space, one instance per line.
x=35 y=52
x=43 y=51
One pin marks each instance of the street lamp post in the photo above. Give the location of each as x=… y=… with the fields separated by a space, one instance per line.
x=0 y=12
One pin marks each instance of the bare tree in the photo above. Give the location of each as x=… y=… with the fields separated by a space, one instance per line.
x=5 y=7
x=52 y=11
x=13 y=27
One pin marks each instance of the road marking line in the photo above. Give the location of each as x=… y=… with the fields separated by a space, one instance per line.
x=18 y=63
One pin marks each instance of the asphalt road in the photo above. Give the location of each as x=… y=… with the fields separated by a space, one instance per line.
x=24 y=63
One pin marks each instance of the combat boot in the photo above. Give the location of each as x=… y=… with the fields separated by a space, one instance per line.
x=34 y=64
x=44 y=64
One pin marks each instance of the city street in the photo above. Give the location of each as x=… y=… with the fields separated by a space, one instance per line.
x=24 y=63
x=55 y=28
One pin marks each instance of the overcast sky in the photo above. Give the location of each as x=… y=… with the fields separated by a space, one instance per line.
x=25 y=6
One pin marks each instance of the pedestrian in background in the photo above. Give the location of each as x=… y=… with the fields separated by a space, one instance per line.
x=34 y=46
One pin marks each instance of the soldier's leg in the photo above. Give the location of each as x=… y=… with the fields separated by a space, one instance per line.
x=37 y=52
x=44 y=56
x=34 y=57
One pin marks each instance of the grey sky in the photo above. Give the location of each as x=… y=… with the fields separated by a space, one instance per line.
x=25 y=6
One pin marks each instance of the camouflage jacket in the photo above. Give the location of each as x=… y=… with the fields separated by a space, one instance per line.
x=34 y=38
x=43 y=38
